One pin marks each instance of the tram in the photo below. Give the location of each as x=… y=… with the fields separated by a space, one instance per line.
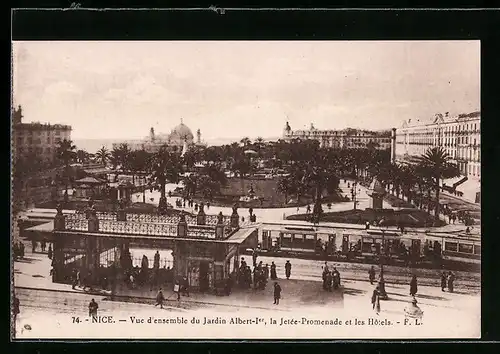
x=355 y=243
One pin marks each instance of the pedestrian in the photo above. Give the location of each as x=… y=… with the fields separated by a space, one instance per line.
x=74 y=279
x=451 y=279
x=185 y=286
x=79 y=278
x=49 y=252
x=15 y=308
x=376 y=300
x=288 y=269
x=254 y=257
x=33 y=246
x=43 y=244
x=443 y=280
x=367 y=225
x=93 y=308
x=277 y=293
x=273 y=271
x=159 y=298
x=413 y=285
x=336 y=278
x=371 y=275
x=21 y=249
x=177 y=289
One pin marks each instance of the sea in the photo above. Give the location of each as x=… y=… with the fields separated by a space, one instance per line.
x=92 y=145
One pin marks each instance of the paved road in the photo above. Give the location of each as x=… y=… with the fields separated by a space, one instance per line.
x=312 y=270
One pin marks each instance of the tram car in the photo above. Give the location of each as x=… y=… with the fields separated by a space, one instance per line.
x=355 y=243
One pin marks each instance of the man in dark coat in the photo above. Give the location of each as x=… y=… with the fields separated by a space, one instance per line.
x=274 y=276
x=413 y=285
x=443 y=281
x=371 y=274
x=15 y=308
x=93 y=308
x=288 y=269
x=336 y=278
x=451 y=279
x=277 y=293
x=49 y=252
x=159 y=299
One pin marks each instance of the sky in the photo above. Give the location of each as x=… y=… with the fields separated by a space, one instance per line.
x=119 y=90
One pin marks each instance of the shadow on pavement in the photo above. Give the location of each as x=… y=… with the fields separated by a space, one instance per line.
x=351 y=291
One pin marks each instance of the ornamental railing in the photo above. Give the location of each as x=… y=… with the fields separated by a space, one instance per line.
x=76 y=223
x=211 y=220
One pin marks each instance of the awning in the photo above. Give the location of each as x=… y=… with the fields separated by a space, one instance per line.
x=241 y=236
x=90 y=180
x=46 y=227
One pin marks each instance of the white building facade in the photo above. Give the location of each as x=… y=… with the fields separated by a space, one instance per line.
x=459 y=136
x=343 y=139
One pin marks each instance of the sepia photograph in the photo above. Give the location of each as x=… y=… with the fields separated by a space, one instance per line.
x=246 y=190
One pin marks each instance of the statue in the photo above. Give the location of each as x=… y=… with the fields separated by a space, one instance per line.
x=182 y=218
x=200 y=210
x=235 y=209
x=59 y=209
x=220 y=218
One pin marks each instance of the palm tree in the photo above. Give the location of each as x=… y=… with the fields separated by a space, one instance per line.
x=436 y=164
x=245 y=142
x=65 y=153
x=82 y=156
x=102 y=155
x=165 y=166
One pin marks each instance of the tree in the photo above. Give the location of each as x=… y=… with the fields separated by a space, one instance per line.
x=82 y=156
x=245 y=142
x=65 y=153
x=165 y=166
x=436 y=164
x=138 y=162
x=102 y=155
x=286 y=186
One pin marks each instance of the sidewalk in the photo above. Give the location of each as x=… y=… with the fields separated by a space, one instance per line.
x=33 y=272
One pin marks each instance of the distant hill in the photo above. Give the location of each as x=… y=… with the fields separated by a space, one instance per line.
x=92 y=145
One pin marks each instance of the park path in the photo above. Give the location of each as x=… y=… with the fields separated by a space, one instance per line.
x=268 y=214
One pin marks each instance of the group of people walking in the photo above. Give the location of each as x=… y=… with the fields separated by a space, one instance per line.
x=447 y=280
x=331 y=278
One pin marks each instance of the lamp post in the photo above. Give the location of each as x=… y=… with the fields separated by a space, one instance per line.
x=353 y=193
x=381 y=285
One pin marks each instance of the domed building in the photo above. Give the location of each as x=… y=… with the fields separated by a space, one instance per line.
x=180 y=137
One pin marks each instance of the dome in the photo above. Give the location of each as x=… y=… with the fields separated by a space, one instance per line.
x=183 y=132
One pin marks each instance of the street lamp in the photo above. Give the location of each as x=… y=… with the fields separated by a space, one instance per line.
x=381 y=285
x=353 y=193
